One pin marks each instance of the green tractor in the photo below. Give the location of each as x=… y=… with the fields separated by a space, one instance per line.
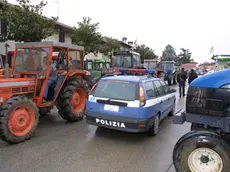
x=98 y=68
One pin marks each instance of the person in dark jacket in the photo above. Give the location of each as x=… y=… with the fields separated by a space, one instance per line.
x=181 y=79
x=192 y=76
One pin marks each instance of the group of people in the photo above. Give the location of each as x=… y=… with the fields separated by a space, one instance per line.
x=181 y=80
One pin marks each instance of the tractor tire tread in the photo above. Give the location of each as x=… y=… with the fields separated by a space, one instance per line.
x=64 y=103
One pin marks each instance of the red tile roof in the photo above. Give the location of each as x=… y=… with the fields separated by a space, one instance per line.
x=188 y=66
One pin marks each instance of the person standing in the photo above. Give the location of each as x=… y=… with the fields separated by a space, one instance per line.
x=192 y=76
x=181 y=79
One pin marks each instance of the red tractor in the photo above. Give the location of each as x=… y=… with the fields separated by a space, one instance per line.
x=43 y=75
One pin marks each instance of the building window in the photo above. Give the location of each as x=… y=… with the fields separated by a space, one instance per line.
x=61 y=36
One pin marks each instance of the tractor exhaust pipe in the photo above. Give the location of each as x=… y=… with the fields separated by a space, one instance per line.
x=7 y=71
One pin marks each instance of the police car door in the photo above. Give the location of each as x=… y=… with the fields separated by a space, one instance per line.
x=152 y=99
x=168 y=94
x=162 y=96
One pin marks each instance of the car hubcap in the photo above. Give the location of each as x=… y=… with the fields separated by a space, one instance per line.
x=205 y=160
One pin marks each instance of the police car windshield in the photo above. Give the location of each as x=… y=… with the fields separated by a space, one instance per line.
x=115 y=89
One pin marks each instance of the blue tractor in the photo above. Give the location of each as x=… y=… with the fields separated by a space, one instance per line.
x=206 y=147
x=169 y=71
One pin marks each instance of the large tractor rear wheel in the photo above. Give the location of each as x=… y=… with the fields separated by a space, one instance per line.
x=18 y=119
x=72 y=99
x=90 y=81
x=201 y=151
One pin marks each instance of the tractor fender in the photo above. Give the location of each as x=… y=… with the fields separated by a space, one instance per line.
x=81 y=73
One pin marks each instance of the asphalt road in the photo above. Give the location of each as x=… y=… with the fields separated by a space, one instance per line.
x=79 y=147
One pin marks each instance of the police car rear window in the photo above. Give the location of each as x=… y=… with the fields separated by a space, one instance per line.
x=115 y=89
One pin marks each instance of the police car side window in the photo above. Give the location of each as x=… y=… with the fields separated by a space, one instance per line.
x=149 y=87
x=166 y=87
x=159 y=88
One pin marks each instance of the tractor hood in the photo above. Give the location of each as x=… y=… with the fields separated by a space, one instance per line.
x=209 y=94
x=213 y=80
x=15 y=86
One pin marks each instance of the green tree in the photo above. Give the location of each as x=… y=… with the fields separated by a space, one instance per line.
x=87 y=35
x=108 y=44
x=146 y=52
x=185 y=56
x=169 y=54
x=25 y=22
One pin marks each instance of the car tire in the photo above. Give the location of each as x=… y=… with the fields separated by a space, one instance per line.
x=155 y=127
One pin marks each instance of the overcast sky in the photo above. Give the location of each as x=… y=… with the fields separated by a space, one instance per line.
x=191 y=24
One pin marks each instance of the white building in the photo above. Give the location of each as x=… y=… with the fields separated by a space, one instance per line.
x=124 y=46
x=63 y=35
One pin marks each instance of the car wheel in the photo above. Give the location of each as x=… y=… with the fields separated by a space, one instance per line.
x=155 y=127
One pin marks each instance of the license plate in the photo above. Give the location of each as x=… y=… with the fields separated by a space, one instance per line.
x=110 y=123
x=111 y=108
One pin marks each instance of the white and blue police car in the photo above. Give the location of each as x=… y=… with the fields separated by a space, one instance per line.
x=130 y=103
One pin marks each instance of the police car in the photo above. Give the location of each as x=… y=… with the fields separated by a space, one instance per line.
x=130 y=103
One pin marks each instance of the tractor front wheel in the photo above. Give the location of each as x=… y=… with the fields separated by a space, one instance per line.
x=72 y=99
x=201 y=151
x=18 y=119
